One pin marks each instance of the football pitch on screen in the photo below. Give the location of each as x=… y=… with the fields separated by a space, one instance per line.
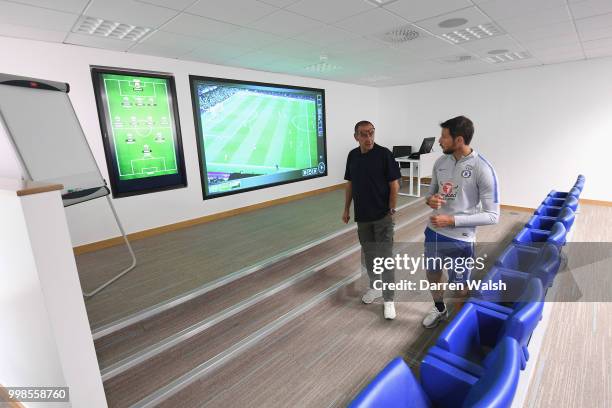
x=142 y=130
x=260 y=134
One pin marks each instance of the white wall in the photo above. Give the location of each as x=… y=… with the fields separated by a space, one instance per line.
x=539 y=126
x=90 y=222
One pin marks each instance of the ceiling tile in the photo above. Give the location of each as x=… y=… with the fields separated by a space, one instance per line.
x=31 y=33
x=593 y=28
x=563 y=28
x=326 y=34
x=536 y=19
x=551 y=42
x=330 y=11
x=130 y=12
x=279 y=3
x=599 y=53
x=473 y=16
x=189 y=24
x=98 y=42
x=429 y=47
x=238 y=12
x=284 y=23
x=210 y=51
x=355 y=45
x=169 y=44
x=294 y=49
x=552 y=51
x=559 y=58
x=370 y=22
x=252 y=38
x=171 y=4
x=415 y=10
x=594 y=44
x=483 y=46
x=30 y=16
x=589 y=8
x=69 y=6
x=505 y=9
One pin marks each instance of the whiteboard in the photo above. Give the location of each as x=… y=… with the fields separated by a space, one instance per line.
x=46 y=134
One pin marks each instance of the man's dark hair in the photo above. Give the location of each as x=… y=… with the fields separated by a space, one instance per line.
x=460 y=126
x=362 y=123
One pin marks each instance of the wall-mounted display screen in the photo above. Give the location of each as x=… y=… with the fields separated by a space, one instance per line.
x=140 y=128
x=253 y=135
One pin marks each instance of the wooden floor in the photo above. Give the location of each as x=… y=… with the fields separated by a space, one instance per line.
x=323 y=358
x=574 y=368
x=176 y=262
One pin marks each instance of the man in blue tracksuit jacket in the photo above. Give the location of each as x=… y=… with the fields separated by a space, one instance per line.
x=463 y=194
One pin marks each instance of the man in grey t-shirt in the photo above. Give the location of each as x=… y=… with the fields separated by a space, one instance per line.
x=463 y=194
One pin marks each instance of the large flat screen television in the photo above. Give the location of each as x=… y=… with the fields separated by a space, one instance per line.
x=254 y=135
x=140 y=130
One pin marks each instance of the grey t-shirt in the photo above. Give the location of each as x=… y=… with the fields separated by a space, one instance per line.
x=471 y=191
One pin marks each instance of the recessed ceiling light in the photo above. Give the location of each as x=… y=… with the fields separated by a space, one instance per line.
x=322 y=66
x=109 y=29
x=473 y=33
x=452 y=23
x=507 y=56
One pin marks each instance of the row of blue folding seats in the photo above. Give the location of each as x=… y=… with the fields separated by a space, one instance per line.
x=443 y=385
x=477 y=358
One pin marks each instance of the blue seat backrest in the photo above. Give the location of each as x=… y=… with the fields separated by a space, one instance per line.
x=526 y=314
x=497 y=386
x=557 y=234
x=571 y=202
x=566 y=217
x=394 y=387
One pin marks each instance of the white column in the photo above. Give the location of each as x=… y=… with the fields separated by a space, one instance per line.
x=46 y=339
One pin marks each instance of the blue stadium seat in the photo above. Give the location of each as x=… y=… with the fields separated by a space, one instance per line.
x=468 y=338
x=489 y=324
x=547 y=211
x=571 y=202
x=556 y=235
x=519 y=263
x=566 y=217
x=574 y=191
x=553 y=202
x=518 y=257
x=394 y=387
x=495 y=386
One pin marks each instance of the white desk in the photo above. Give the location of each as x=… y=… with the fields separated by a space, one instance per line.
x=424 y=167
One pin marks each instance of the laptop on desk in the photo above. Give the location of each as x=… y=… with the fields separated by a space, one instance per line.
x=426 y=147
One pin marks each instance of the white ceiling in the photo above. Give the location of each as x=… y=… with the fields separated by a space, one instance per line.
x=296 y=36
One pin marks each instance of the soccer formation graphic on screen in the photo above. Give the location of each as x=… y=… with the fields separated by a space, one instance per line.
x=141 y=125
x=252 y=136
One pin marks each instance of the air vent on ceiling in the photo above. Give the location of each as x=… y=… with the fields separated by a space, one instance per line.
x=400 y=35
x=109 y=29
x=473 y=33
x=508 y=56
x=456 y=59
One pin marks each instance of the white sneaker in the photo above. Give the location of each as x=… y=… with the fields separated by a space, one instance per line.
x=434 y=317
x=371 y=295
x=389 y=310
